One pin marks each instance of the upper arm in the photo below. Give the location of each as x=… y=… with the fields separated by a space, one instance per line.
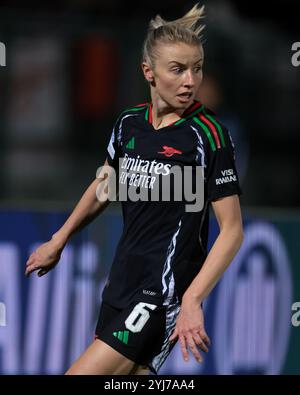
x=228 y=213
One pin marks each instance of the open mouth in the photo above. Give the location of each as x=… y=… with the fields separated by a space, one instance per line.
x=184 y=97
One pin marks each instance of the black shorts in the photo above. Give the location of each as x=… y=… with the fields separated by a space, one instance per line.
x=140 y=331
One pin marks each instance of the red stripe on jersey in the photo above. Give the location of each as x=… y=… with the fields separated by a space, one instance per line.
x=191 y=109
x=150 y=114
x=142 y=105
x=213 y=129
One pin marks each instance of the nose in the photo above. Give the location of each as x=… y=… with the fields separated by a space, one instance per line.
x=189 y=80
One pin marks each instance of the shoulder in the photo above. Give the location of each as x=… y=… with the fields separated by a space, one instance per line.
x=214 y=132
x=139 y=109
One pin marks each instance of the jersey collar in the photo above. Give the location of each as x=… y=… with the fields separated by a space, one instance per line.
x=189 y=112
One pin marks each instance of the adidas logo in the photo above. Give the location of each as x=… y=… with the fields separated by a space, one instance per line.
x=122 y=336
x=131 y=143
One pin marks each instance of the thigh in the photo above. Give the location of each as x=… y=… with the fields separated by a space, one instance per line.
x=101 y=359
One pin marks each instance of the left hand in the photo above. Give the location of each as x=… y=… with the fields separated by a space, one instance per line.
x=190 y=330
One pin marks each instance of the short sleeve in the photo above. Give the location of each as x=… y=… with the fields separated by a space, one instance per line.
x=221 y=174
x=113 y=148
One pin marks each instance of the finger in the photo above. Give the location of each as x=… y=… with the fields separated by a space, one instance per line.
x=28 y=272
x=31 y=269
x=28 y=269
x=42 y=272
x=183 y=348
x=174 y=335
x=205 y=338
x=32 y=255
x=194 y=349
x=200 y=342
x=30 y=260
x=30 y=265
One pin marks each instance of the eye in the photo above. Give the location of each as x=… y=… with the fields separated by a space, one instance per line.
x=198 y=68
x=177 y=70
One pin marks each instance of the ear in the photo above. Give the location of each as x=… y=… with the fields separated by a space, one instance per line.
x=148 y=73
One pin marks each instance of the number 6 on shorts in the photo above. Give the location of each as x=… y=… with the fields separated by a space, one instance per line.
x=140 y=315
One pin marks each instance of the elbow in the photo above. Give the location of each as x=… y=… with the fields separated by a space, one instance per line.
x=235 y=236
x=239 y=237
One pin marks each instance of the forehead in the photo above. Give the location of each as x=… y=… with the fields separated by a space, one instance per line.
x=179 y=52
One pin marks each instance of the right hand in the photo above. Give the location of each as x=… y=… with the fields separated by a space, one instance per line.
x=44 y=258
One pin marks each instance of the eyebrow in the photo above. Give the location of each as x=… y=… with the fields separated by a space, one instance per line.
x=182 y=64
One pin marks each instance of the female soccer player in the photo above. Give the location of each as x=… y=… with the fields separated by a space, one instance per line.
x=161 y=272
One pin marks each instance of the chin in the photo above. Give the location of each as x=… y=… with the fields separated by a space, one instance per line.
x=176 y=105
x=180 y=106
x=183 y=106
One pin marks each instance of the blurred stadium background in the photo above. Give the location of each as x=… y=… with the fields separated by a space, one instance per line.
x=71 y=67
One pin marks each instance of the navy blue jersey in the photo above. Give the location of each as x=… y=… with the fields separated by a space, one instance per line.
x=163 y=246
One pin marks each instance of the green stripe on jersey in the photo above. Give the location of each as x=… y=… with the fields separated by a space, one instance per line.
x=147 y=114
x=130 y=109
x=217 y=125
x=207 y=132
x=189 y=116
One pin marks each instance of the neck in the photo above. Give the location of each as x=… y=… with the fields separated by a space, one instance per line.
x=163 y=114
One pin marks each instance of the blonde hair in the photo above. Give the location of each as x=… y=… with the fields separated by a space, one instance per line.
x=184 y=30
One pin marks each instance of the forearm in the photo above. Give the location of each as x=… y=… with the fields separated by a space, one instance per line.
x=85 y=211
x=221 y=254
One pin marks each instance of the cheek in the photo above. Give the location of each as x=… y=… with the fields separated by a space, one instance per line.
x=199 y=79
x=168 y=84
